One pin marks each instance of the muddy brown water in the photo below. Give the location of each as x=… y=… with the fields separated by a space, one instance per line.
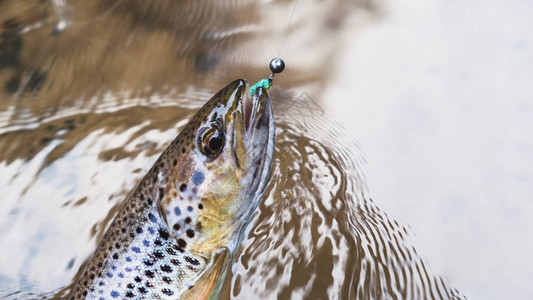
x=92 y=91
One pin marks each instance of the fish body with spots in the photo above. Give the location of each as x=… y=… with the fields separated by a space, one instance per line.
x=173 y=236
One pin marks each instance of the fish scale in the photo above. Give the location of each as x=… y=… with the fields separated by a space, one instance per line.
x=164 y=266
x=166 y=240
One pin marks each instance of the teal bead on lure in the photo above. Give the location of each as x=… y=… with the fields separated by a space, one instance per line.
x=277 y=65
x=264 y=83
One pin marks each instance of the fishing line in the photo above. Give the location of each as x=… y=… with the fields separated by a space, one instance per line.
x=287 y=29
x=277 y=65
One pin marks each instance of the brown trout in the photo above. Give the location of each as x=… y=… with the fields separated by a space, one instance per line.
x=174 y=234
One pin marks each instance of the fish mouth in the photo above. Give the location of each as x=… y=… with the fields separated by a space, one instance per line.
x=252 y=143
x=254 y=111
x=259 y=129
x=251 y=122
x=257 y=111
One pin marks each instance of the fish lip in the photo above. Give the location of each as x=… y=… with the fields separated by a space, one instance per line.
x=261 y=136
x=256 y=108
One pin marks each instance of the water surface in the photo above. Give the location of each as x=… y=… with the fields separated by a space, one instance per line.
x=92 y=92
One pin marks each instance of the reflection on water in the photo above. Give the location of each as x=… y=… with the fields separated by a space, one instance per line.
x=92 y=92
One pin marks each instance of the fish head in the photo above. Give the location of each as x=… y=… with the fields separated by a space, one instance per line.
x=221 y=174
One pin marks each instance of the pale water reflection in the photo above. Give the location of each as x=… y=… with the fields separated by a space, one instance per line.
x=441 y=104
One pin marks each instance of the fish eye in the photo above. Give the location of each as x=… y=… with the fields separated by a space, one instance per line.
x=211 y=141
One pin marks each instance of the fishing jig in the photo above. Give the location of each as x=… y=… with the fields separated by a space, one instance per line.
x=277 y=65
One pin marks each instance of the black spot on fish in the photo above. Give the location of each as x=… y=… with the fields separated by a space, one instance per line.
x=115 y=256
x=190 y=233
x=138 y=279
x=188 y=220
x=150 y=200
x=117 y=245
x=161 y=193
x=183 y=150
x=143 y=290
x=149 y=284
x=164 y=234
x=166 y=268
x=183 y=187
x=129 y=294
x=182 y=243
x=148 y=262
x=167 y=292
x=167 y=279
x=171 y=251
x=199 y=225
x=192 y=261
x=176 y=227
x=200 y=206
x=159 y=254
x=177 y=248
x=175 y=162
x=149 y=273
x=175 y=262
x=123 y=229
x=158 y=242
x=130 y=285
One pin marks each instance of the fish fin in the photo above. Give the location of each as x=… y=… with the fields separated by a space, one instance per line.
x=209 y=284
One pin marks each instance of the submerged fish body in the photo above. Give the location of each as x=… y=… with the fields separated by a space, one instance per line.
x=174 y=234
